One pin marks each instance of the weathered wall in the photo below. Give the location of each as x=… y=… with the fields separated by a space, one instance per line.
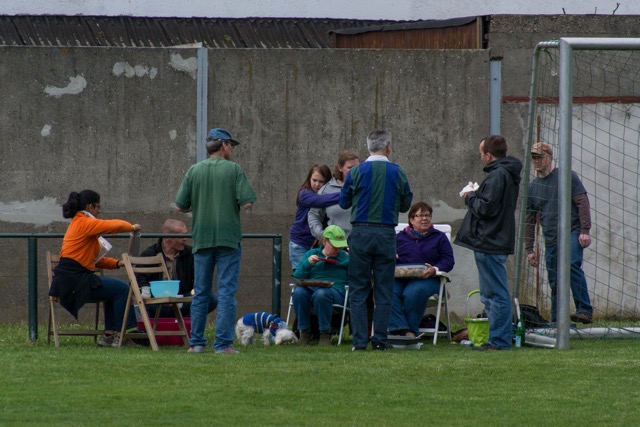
x=122 y=122
x=129 y=133
x=513 y=39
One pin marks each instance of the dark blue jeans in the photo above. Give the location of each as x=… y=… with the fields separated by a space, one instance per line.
x=322 y=300
x=578 y=281
x=115 y=293
x=372 y=253
x=410 y=299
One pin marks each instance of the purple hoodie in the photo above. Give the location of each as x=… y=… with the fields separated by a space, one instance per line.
x=433 y=248
x=299 y=233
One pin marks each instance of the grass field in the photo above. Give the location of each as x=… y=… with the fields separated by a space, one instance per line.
x=594 y=383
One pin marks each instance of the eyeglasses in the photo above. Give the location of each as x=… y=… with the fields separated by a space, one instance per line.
x=538 y=156
x=422 y=216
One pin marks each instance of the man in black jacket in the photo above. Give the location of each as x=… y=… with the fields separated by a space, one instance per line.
x=179 y=260
x=489 y=229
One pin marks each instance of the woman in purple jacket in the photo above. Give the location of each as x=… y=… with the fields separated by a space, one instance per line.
x=419 y=243
x=300 y=237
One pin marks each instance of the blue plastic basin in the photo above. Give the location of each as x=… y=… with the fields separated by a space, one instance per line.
x=164 y=288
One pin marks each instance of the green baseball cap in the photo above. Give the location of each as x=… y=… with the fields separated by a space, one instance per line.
x=336 y=236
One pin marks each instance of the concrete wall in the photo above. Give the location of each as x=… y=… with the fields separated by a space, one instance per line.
x=122 y=122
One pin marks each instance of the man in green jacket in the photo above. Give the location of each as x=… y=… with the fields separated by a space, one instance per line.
x=215 y=190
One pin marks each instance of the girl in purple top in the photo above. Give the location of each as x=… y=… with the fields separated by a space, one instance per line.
x=300 y=237
x=419 y=243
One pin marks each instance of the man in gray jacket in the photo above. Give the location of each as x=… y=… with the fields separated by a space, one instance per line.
x=489 y=229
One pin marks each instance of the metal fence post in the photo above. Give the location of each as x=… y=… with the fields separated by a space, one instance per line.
x=33 y=288
x=276 y=275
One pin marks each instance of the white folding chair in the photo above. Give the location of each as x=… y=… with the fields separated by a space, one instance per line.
x=439 y=301
x=344 y=307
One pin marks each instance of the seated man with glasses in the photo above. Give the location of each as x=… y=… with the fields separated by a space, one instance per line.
x=419 y=243
x=178 y=257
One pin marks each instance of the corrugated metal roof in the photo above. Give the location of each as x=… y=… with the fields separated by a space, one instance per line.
x=419 y=25
x=126 y=31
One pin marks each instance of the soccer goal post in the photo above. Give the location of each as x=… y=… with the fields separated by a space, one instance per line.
x=585 y=103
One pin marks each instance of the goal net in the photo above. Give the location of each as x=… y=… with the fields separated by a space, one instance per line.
x=604 y=139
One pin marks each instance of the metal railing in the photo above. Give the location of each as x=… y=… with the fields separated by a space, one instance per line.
x=32 y=269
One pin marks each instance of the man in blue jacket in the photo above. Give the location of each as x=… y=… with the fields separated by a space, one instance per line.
x=489 y=230
x=376 y=191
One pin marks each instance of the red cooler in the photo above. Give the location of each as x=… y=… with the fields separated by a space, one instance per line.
x=168 y=324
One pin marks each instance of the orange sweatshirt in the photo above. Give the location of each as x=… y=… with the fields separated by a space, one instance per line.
x=81 y=244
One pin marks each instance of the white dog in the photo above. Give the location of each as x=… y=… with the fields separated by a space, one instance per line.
x=272 y=328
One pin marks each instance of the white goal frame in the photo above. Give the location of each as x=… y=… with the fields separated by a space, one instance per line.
x=567 y=47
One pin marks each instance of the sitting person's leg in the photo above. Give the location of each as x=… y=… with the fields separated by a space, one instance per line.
x=302 y=307
x=152 y=308
x=165 y=310
x=323 y=300
x=416 y=294
x=398 y=324
x=115 y=293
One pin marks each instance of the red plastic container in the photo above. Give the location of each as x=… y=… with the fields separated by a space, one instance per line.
x=169 y=324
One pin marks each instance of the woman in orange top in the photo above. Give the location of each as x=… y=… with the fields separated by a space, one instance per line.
x=75 y=281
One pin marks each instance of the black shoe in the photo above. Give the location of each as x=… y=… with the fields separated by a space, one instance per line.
x=488 y=347
x=582 y=317
x=358 y=349
x=379 y=346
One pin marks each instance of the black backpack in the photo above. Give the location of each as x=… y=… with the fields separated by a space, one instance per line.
x=532 y=316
